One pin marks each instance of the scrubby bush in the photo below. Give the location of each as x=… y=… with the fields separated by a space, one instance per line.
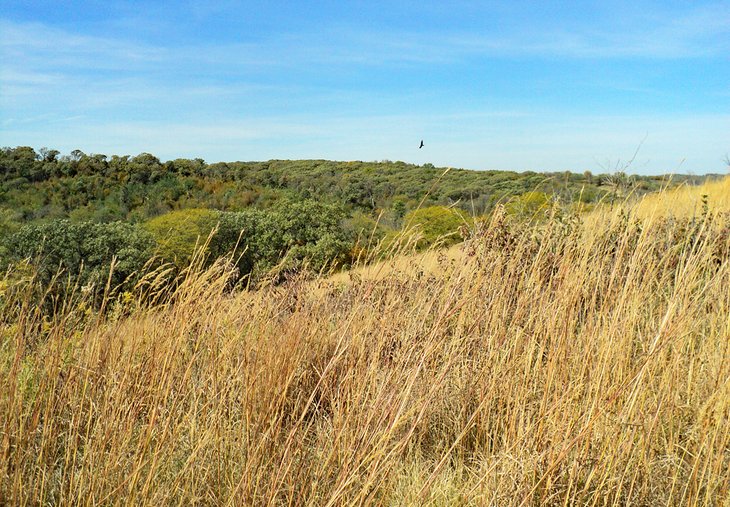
x=312 y=231
x=437 y=224
x=177 y=233
x=292 y=233
x=84 y=251
x=531 y=206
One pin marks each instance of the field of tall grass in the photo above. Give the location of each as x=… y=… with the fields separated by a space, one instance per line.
x=687 y=200
x=561 y=364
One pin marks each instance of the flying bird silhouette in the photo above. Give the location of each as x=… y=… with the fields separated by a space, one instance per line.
x=421 y=144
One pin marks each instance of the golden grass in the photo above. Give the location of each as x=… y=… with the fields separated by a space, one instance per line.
x=414 y=264
x=686 y=200
x=683 y=202
x=555 y=366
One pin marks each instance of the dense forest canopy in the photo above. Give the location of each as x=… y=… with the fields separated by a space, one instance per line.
x=65 y=209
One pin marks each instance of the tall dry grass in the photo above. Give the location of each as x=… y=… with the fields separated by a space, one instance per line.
x=555 y=366
x=683 y=201
x=686 y=200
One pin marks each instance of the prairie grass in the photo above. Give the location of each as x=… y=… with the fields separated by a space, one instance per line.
x=683 y=201
x=687 y=200
x=558 y=365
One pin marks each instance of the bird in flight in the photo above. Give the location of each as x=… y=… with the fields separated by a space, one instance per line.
x=421 y=144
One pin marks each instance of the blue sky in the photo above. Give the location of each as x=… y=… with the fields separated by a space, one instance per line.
x=487 y=85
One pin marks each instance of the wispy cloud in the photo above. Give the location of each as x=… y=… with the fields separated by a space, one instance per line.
x=37 y=56
x=700 y=32
x=38 y=44
x=354 y=90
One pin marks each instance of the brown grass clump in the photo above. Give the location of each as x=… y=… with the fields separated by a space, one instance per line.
x=558 y=365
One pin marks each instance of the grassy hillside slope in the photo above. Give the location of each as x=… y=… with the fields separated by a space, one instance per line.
x=687 y=200
x=556 y=365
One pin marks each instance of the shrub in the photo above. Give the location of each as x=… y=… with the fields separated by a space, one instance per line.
x=297 y=232
x=178 y=232
x=84 y=250
x=437 y=224
x=531 y=206
x=311 y=231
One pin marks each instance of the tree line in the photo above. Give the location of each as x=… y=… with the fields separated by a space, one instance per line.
x=77 y=212
x=45 y=185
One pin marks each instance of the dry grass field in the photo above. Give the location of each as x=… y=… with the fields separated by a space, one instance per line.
x=687 y=201
x=568 y=364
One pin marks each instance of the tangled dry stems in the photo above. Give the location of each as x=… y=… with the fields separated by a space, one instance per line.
x=546 y=366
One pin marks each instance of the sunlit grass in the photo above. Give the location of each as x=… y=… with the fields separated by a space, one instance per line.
x=560 y=365
x=686 y=200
